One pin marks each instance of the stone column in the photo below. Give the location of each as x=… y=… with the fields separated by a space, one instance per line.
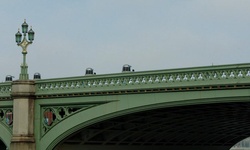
x=23 y=92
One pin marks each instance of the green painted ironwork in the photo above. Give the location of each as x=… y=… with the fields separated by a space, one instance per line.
x=5 y=91
x=187 y=77
x=5 y=128
x=135 y=82
x=123 y=90
x=4 y=118
x=128 y=104
x=60 y=113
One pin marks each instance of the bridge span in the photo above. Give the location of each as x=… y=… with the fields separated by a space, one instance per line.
x=200 y=108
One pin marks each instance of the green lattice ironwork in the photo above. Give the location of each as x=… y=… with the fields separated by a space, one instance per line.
x=136 y=82
x=52 y=115
x=6 y=118
x=5 y=91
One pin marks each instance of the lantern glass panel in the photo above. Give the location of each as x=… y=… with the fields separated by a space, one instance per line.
x=31 y=35
x=18 y=37
x=24 y=27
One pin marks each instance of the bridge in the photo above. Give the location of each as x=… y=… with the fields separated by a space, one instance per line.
x=199 y=108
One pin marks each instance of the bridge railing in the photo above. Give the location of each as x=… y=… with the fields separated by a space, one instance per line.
x=5 y=90
x=134 y=81
x=158 y=79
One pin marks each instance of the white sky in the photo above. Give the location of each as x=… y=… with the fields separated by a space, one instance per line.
x=106 y=34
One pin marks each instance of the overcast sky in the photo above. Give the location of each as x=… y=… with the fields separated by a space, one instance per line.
x=106 y=34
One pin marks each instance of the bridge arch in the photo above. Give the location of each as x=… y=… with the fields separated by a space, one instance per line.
x=126 y=104
x=5 y=135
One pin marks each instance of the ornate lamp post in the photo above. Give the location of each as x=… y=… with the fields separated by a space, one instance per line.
x=24 y=44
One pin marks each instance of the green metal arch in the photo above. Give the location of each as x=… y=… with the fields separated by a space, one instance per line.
x=5 y=135
x=127 y=104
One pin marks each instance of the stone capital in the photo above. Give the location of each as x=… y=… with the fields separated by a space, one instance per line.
x=23 y=88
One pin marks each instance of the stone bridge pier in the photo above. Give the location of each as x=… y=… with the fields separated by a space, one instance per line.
x=23 y=115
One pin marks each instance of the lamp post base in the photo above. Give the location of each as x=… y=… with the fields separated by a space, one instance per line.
x=24 y=77
x=24 y=71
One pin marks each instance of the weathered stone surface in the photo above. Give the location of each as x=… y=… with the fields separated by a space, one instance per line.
x=23 y=115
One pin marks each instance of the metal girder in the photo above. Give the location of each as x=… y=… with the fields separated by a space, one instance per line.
x=183 y=130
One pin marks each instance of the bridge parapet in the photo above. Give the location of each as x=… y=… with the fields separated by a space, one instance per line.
x=5 y=90
x=197 y=78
